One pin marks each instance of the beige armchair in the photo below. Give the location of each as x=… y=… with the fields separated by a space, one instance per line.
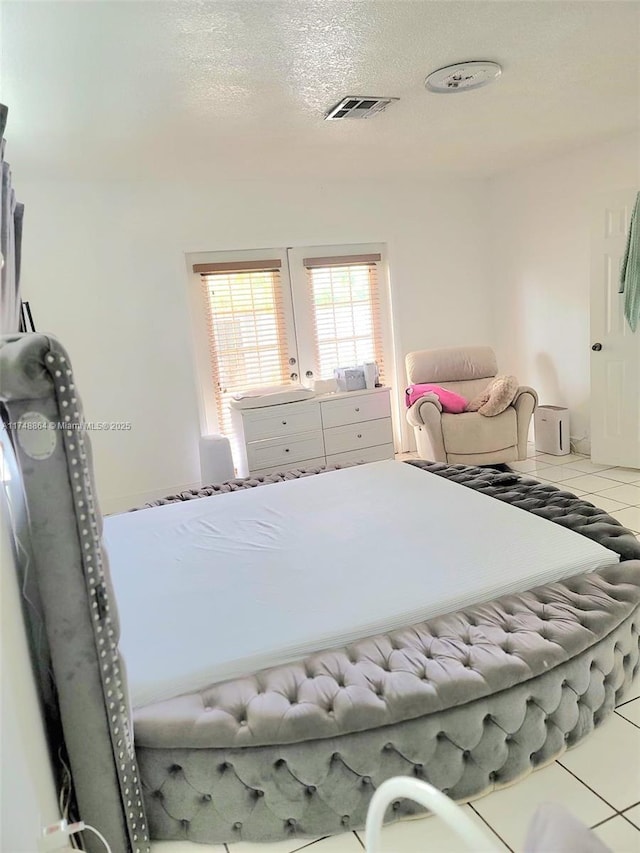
x=469 y=438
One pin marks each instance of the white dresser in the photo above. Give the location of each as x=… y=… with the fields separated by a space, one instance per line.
x=353 y=426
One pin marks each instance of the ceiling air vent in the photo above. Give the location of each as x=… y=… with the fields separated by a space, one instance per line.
x=358 y=106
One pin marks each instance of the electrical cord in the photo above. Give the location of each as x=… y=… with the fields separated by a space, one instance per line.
x=574 y=441
x=59 y=835
x=98 y=833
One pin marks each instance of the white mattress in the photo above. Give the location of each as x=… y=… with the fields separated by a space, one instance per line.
x=219 y=587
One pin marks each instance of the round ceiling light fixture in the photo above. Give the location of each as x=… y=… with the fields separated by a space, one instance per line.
x=463 y=76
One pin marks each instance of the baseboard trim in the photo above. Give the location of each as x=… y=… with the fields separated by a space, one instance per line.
x=113 y=504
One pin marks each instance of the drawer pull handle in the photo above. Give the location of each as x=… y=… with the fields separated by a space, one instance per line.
x=286 y=450
x=359 y=435
x=357 y=408
x=284 y=423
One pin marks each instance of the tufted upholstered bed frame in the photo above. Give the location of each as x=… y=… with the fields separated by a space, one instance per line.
x=470 y=701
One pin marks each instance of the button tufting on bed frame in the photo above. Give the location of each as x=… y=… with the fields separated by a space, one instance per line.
x=429 y=700
x=539 y=498
x=427 y=675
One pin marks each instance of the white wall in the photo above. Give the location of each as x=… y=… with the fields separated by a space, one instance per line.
x=540 y=231
x=506 y=262
x=104 y=270
x=28 y=795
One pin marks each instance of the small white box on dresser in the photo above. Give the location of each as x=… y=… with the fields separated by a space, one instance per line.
x=353 y=426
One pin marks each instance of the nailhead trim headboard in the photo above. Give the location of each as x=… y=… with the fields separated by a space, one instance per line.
x=65 y=528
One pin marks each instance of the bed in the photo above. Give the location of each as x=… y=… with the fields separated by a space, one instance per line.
x=286 y=739
x=227 y=586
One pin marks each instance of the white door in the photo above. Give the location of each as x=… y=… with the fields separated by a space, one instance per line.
x=341 y=318
x=615 y=349
x=342 y=308
x=252 y=341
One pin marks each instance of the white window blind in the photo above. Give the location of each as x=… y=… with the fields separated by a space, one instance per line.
x=246 y=329
x=345 y=301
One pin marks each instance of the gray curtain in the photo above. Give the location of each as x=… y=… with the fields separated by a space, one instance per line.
x=11 y=214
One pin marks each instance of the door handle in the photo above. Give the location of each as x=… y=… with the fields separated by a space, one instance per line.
x=596 y=347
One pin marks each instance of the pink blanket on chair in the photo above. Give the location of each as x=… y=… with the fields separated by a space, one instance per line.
x=451 y=402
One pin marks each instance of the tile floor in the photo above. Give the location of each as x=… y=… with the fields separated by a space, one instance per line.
x=598 y=780
x=616 y=490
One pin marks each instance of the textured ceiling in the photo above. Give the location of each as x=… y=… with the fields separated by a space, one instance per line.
x=239 y=88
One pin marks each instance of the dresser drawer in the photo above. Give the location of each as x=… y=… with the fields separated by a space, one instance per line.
x=284 y=420
x=367 y=454
x=283 y=451
x=355 y=436
x=362 y=407
x=281 y=469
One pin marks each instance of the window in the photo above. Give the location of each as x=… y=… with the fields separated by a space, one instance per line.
x=345 y=302
x=273 y=316
x=246 y=329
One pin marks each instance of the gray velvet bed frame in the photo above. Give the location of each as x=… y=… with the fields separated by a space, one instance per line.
x=470 y=701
